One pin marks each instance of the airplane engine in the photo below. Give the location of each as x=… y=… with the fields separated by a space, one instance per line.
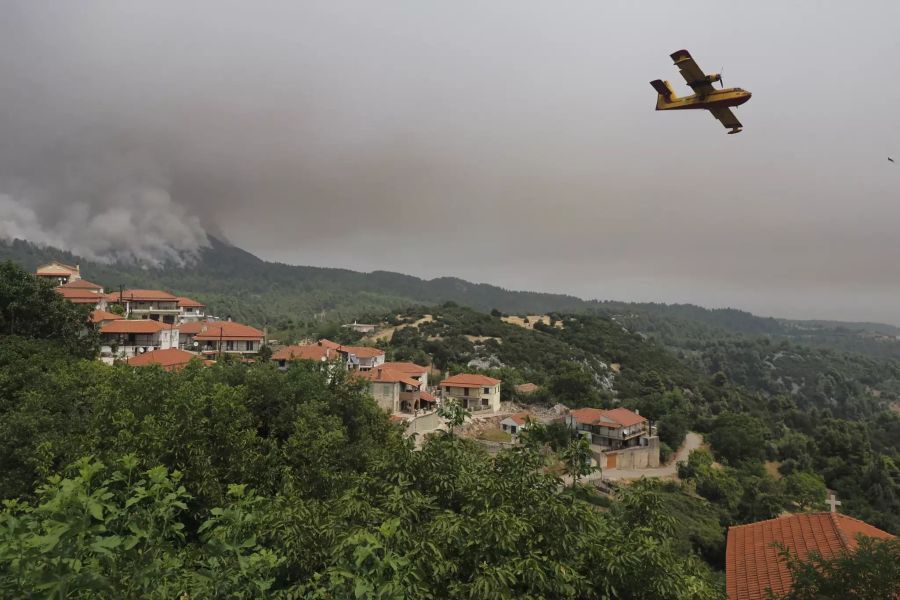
x=714 y=77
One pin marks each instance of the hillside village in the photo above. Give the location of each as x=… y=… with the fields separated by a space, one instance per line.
x=152 y=327
x=440 y=363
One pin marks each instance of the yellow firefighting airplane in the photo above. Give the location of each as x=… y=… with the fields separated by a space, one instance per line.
x=705 y=95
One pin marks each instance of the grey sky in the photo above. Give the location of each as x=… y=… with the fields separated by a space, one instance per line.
x=508 y=142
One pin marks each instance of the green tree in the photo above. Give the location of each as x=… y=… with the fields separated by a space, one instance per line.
x=453 y=413
x=577 y=458
x=572 y=386
x=31 y=308
x=806 y=490
x=97 y=534
x=872 y=570
x=738 y=437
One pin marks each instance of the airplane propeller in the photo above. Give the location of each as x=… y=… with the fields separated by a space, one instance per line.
x=721 y=77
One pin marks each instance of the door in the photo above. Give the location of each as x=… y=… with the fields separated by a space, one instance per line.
x=611 y=461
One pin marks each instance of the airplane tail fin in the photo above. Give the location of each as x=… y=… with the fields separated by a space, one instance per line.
x=665 y=91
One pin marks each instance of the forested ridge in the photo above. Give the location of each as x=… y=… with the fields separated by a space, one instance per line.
x=294 y=300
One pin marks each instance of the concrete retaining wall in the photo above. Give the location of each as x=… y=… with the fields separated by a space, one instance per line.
x=632 y=459
x=424 y=423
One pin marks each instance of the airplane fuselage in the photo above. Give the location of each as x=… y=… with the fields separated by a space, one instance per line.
x=725 y=98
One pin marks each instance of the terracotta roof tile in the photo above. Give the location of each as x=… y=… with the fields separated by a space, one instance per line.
x=406 y=367
x=613 y=418
x=379 y=374
x=184 y=302
x=362 y=351
x=79 y=296
x=98 y=316
x=307 y=352
x=586 y=416
x=169 y=359
x=142 y=296
x=56 y=268
x=519 y=418
x=192 y=327
x=752 y=561
x=624 y=417
x=469 y=380
x=135 y=326
x=227 y=330
x=83 y=284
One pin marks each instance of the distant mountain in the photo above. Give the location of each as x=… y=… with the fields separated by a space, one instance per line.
x=235 y=283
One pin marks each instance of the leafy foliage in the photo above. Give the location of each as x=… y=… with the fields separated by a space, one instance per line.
x=30 y=308
x=872 y=570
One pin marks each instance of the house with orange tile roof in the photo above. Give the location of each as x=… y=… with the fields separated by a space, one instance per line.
x=77 y=295
x=417 y=372
x=328 y=344
x=514 y=424
x=397 y=392
x=83 y=284
x=59 y=273
x=753 y=564
x=147 y=304
x=102 y=317
x=186 y=333
x=225 y=337
x=190 y=310
x=361 y=358
x=125 y=338
x=170 y=359
x=313 y=352
x=610 y=428
x=477 y=393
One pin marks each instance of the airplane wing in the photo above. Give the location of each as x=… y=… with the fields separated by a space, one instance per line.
x=693 y=75
x=727 y=117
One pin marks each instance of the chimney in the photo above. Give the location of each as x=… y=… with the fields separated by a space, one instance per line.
x=637 y=412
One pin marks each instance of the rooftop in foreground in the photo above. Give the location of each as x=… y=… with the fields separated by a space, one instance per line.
x=752 y=561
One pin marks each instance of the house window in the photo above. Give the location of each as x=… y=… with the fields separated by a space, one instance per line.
x=487 y=390
x=249 y=346
x=485 y=402
x=229 y=345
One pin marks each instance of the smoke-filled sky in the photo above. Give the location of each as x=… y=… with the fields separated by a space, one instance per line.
x=510 y=142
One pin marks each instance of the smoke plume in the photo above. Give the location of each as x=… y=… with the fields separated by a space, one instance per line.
x=103 y=208
x=513 y=142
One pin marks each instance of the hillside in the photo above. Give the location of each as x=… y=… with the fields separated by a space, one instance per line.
x=806 y=410
x=293 y=300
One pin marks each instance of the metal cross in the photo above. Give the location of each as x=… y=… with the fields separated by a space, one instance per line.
x=833 y=502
